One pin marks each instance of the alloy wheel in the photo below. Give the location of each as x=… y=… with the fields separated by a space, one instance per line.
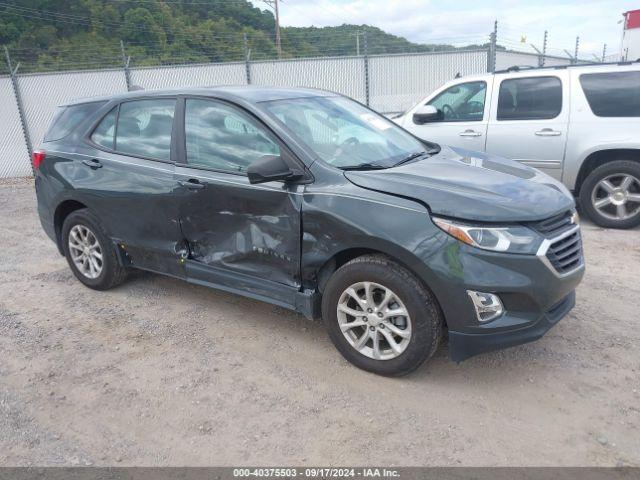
x=85 y=251
x=617 y=197
x=374 y=320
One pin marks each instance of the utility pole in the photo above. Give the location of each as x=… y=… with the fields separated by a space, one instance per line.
x=357 y=35
x=274 y=5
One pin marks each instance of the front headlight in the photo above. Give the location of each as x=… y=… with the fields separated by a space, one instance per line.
x=499 y=238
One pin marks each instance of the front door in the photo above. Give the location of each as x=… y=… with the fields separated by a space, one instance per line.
x=238 y=235
x=529 y=120
x=462 y=119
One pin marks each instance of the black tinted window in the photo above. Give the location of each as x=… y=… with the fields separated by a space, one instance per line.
x=103 y=135
x=68 y=118
x=223 y=138
x=535 y=98
x=144 y=128
x=613 y=94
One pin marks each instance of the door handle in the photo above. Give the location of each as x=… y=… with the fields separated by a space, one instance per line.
x=548 y=132
x=470 y=133
x=191 y=184
x=93 y=163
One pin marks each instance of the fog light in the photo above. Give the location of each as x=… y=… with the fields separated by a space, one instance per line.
x=488 y=306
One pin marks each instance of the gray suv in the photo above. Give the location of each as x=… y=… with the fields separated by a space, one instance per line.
x=579 y=124
x=311 y=201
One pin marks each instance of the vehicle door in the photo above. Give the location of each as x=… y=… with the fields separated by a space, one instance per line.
x=130 y=181
x=462 y=116
x=239 y=235
x=529 y=119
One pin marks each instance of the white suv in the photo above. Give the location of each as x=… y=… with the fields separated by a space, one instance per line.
x=579 y=124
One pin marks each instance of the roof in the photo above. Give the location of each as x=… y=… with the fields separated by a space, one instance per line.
x=250 y=93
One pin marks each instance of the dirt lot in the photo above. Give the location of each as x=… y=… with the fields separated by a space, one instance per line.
x=159 y=372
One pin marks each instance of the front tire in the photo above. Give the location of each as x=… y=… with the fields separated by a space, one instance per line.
x=380 y=317
x=610 y=195
x=89 y=252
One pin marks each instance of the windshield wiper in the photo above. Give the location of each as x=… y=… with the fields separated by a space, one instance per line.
x=364 y=166
x=413 y=156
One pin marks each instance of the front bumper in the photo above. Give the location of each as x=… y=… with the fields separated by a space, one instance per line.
x=534 y=295
x=465 y=345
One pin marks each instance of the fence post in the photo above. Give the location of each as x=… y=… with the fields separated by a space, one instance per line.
x=247 y=56
x=544 y=49
x=491 y=54
x=125 y=64
x=21 y=114
x=366 y=67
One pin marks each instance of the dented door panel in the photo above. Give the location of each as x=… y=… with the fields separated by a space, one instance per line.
x=242 y=228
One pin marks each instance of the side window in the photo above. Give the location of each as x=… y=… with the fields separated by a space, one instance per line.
x=461 y=103
x=68 y=118
x=221 y=137
x=144 y=128
x=615 y=94
x=104 y=134
x=533 y=98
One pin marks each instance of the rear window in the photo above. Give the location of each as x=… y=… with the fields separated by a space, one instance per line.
x=68 y=118
x=533 y=98
x=615 y=94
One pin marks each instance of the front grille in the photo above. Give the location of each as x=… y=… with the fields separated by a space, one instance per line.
x=565 y=254
x=552 y=227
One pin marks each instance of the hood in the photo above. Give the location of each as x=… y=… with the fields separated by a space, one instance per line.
x=472 y=186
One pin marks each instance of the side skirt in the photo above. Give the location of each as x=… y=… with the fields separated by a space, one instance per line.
x=306 y=302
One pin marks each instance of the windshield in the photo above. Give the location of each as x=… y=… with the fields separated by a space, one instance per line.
x=345 y=134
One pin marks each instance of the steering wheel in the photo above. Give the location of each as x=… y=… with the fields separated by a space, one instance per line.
x=448 y=112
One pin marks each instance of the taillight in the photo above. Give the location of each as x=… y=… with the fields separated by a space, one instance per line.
x=38 y=158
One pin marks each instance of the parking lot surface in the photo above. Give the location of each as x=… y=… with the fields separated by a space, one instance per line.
x=160 y=372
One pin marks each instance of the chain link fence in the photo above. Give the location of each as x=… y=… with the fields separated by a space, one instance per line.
x=388 y=82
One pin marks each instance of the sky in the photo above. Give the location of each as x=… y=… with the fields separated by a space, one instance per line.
x=470 y=21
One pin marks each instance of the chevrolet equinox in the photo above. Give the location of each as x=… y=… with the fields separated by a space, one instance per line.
x=309 y=200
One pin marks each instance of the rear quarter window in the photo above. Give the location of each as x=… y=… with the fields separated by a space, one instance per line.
x=614 y=94
x=68 y=118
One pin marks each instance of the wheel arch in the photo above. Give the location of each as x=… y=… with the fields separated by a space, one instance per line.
x=601 y=157
x=403 y=258
x=63 y=210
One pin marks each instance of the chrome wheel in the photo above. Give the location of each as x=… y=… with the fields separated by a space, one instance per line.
x=617 y=197
x=85 y=251
x=374 y=320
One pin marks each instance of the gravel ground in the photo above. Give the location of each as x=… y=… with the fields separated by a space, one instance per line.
x=159 y=372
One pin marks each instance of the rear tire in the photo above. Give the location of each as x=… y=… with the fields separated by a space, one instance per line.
x=89 y=252
x=392 y=288
x=610 y=195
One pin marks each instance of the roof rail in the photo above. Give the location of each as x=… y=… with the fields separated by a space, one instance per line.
x=517 y=68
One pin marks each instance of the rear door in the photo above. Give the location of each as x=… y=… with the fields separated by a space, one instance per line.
x=127 y=177
x=463 y=116
x=239 y=235
x=529 y=119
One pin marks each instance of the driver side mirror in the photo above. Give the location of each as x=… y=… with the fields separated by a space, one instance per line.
x=426 y=114
x=270 y=168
